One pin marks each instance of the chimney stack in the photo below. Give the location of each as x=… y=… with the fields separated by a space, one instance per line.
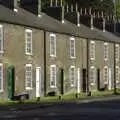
x=51 y=3
x=91 y=22
x=63 y=11
x=39 y=8
x=104 y=24
x=78 y=19
x=16 y=5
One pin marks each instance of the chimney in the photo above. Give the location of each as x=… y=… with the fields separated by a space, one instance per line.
x=78 y=19
x=91 y=22
x=71 y=7
x=90 y=11
x=51 y=3
x=61 y=3
x=16 y=5
x=56 y=3
x=39 y=8
x=67 y=8
x=63 y=11
x=76 y=7
x=104 y=24
x=81 y=11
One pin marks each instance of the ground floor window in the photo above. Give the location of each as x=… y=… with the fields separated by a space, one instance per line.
x=1 y=77
x=28 y=76
x=53 y=76
x=72 y=76
x=106 y=74
x=92 y=75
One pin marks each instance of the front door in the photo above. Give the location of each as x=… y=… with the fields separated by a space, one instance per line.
x=38 y=81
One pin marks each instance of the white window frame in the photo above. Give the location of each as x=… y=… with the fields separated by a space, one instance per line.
x=26 y=42
x=117 y=74
x=54 y=45
x=1 y=65
x=93 y=69
x=72 y=82
x=106 y=53
x=106 y=67
x=117 y=52
x=51 y=76
x=72 y=39
x=2 y=38
x=92 y=50
x=31 y=82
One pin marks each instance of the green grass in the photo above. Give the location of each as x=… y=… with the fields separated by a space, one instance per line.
x=55 y=99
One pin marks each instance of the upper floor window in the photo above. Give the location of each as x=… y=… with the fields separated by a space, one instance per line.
x=106 y=74
x=92 y=50
x=92 y=75
x=28 y=42
x=72 y=76
x=1 y=77
x=1 y=38
x=28 y=76
x=106 y=51
x=52 y=45
x=72 y=47
x=53 y=76
x=117 y=52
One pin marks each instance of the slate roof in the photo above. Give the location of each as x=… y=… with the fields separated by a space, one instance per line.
x=45 y=22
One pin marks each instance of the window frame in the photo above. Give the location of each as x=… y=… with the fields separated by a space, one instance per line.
x=106 y=53
x=70 y=76
x=106 y=67
x=31 y=82
x=117 y=68
x=51 y=76
x=26 y=42
x=54 y=36
x=2 y=38
x=72 y=39
x=2 y=78
x=93 y=81
x=91 y=50
x=117 y=52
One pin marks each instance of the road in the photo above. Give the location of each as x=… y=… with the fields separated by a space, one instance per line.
x=105 y=110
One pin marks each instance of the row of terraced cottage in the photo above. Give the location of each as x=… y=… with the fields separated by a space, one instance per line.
x=50 y=55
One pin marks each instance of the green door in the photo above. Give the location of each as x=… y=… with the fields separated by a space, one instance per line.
x=10 y=79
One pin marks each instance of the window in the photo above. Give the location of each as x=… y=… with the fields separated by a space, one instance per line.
x=117 y=74
x=53 y=76
x=28 y=42
x=92 y=50
x=92 y=75
x=72 y=47
x=1 y=77
x=106 y=49
x=1 y=39
x=52 y=45
x=117 y=52
x=72 y=76
x=105 y=74
x=28 y=76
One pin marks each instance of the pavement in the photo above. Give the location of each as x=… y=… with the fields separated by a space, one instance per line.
x=102 y=108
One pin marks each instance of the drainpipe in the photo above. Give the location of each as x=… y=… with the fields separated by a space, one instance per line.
x=45 y=64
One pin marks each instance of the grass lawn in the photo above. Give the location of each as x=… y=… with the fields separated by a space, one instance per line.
x=55 y=99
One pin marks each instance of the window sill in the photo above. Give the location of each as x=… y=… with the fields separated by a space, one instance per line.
x=29 y=88
x=53 y=87
x=73 y=57
x=53 y=56
x=29 y=54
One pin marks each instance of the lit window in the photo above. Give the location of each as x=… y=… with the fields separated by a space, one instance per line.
x=117 y=52
x=52 y=45
x=92 y=50
x=92 y=75
x=28 y=42
x=72 y=76
x=106 y=51
x=105 y=74
x=28 y=76
x=72 y=47
x=1 y=38
x=53 y=76
x=1 y=77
